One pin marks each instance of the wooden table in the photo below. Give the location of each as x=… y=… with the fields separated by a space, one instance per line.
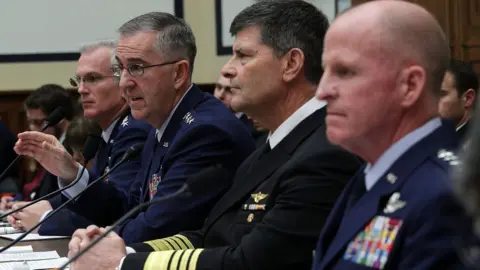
x=60 y=245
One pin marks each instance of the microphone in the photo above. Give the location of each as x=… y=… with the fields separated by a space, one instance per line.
x=56 y=116
x=132 y=152
x=90 y=149
x=196 y=185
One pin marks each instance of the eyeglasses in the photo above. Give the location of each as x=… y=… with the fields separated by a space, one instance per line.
x=89 y=79
x=136 y=69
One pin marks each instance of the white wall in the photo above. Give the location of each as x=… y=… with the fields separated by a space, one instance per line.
x=60 y=26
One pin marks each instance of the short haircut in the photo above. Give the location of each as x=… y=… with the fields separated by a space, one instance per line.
x=175 y=39
x=92 y=46
x=464 y=76
x=288 y=24
x=48 y=97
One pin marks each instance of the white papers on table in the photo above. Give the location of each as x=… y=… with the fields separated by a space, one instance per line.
x=8 y=230
x=18 y=249
x=44 y=264
x=31 y=237
x=28 y=256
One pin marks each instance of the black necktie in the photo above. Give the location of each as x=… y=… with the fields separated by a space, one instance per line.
x=358 y=190
x=265 y=149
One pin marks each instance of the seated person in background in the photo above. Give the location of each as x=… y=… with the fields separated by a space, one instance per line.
x=102 y=102
x=384 y=63
x=7 y=140
x=38 y=105
x=283 y=192
x=223 y=92
x=193 y=131
x=458 y=96
x=78 y=131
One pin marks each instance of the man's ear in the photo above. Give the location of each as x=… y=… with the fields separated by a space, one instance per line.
x=412 y=83
x=468 y=98
x=293 y=62
x=181 y=71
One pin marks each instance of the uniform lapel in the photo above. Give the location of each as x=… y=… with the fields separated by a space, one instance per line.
x=373 y=202
x=260 y=169
x=105 y=148
x=160 y=149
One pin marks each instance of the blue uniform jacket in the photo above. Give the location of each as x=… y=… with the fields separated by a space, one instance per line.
x=202 y=132
x=400 y=222
x=126 y=133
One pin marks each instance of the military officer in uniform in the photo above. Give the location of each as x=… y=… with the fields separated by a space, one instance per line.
x=102 y=101
x=283 y=192
x=193 y=130
x=384 y=63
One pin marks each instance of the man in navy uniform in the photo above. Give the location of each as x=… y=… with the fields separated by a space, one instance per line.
x=384 y=63
x=193 y=131
x=283 y=192
x=102 y=101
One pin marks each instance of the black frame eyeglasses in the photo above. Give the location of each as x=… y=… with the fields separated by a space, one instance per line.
x=136 y=69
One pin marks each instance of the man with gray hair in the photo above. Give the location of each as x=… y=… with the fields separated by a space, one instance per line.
x=102 y=101
x=193 y=131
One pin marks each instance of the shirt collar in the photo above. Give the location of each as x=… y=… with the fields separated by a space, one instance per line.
x=238 y=114
x=108 y=131
x=293 y=120
x=386 y=160
x=159 y=132
x=62 y=137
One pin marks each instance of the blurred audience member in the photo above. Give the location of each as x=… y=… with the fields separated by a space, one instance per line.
x=78 y=131
x=7 y=141
x=224 y=94
x=458 y=95
x=38 y=106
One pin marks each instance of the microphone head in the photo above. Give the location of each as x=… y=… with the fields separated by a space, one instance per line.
x=133 y=151
x=208 y=179
x=56 y=116
x=91 y=146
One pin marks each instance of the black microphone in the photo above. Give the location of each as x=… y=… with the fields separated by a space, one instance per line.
x=56 y=116
x=196 y=185
x=89 y=150
x=132 y=152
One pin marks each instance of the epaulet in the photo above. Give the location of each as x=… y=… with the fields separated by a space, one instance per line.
x=446 y=158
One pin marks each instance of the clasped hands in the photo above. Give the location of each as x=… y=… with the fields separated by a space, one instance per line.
x=106 y=254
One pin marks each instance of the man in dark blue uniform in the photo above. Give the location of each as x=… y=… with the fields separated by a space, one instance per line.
x=193 y=131
x=384 y=63
x=102 y=101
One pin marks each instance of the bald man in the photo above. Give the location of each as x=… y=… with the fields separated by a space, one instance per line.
x=384 y=64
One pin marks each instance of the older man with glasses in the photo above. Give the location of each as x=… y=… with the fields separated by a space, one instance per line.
x=193 y=131
x=102 y=101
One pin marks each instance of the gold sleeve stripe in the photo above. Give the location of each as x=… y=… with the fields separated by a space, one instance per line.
x=193 y=259
x=185 y=241
x=178 y=242
x=172 y=243
x=158 y=260
x=175 y=260
x=159 y=245
x=184 y=259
